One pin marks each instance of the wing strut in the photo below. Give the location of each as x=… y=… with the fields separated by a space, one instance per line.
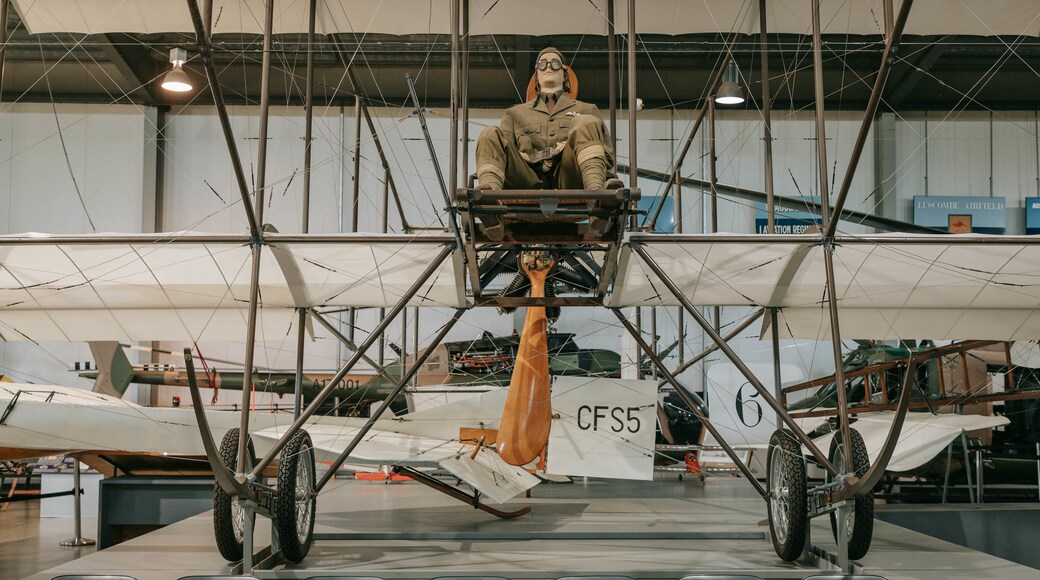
x=830 y=221
x=225 y=479
x=347 y=342
x=735 y=359
x=375 y=335
x=714 y=347
x=692 y=401
x=225 y=122
x=419 y=362
x=853 y=486
x=418 y=111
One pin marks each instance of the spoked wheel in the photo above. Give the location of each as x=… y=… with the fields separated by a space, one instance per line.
x=859 y=525
x=229 y=519
x=788 y=505
x=294 y=499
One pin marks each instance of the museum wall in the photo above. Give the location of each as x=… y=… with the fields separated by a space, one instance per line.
x=110 y=152
x=969 y=153
x=98 y=160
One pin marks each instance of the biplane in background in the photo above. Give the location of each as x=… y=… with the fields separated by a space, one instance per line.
x=457 y=368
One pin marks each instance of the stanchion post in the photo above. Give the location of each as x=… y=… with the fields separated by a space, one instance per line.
x=1038 y=471
x=967 y=468
x=79 y=540
x=978 y=475
x=949 y=461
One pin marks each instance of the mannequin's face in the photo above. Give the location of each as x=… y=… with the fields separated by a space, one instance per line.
x=550 y=80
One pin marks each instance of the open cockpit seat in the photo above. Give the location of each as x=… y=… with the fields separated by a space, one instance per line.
x=545 y=215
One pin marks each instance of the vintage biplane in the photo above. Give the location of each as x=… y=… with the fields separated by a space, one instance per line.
x=470 y=365
x=827 y=285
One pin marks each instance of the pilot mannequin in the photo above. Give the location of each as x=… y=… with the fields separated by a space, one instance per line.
x=549 y=142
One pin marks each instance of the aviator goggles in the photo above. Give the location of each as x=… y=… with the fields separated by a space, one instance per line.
x=553 y=64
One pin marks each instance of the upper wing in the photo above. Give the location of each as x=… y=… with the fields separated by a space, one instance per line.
x=888 y=286
x=193 y=286
x=533 y=17
x=187 y=286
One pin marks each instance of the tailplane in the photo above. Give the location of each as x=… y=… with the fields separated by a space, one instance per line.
x=115 y=373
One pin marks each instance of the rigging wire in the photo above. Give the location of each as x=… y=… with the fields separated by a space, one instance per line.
x=65 y=151
x=673 y=105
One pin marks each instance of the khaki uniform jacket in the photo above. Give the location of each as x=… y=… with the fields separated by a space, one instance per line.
x=535 y=130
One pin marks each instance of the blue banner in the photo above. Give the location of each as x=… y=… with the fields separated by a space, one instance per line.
x=1033 y=215
x=788 y=221
x=978 y=214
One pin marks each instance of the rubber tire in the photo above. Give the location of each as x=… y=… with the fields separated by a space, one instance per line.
x=784 y=447
x=228 y=537
x=297 y=454
x=863 y=506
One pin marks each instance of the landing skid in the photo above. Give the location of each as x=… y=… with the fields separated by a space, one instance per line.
x=460 y=495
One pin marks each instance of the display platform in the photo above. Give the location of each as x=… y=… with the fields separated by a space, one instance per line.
x=661 y=529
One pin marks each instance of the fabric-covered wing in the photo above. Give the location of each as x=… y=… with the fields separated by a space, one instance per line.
x=192 y=286
x=46 y=419
x=924 y=435
x=378 y=447
x=888 y=286
x=533 y=17
x=61 y=419
x=491 y=475
x=486 y=473
x=971 y=289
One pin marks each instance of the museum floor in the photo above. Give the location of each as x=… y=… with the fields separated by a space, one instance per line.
x=661 y=529
x=29 y=544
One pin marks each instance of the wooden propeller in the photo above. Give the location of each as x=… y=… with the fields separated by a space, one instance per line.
x=524 y=431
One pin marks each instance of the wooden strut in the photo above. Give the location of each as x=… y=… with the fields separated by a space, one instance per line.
x=458 y=494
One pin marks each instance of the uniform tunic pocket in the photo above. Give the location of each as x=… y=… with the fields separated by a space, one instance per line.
x=529 y=138
x=560 y=133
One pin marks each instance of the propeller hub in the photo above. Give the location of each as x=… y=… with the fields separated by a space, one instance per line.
x=537 y=261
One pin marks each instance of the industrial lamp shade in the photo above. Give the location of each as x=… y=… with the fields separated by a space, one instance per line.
x=177 y=80
x=729 y=92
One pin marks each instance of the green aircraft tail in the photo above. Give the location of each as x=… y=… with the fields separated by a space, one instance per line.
x=114 y=369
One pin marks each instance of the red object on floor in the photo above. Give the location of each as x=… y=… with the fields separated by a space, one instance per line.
x=380 y=476
x=692 y=465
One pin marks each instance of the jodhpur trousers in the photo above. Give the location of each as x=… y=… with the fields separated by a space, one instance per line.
x=498 y=153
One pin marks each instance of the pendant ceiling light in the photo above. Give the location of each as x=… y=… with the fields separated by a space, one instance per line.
x=177 y=80
x=729 y=92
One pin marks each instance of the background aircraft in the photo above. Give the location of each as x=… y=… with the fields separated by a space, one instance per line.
x=456 y=366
